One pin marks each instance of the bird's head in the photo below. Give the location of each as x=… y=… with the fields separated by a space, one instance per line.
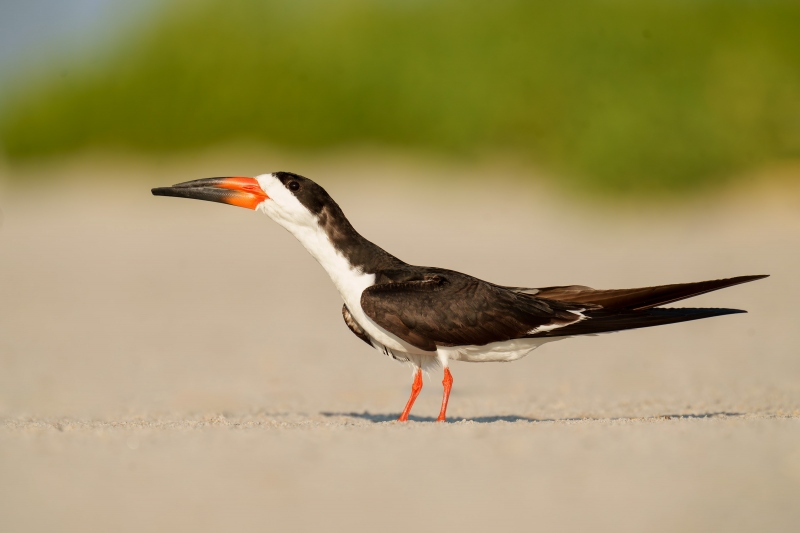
x=289 y=199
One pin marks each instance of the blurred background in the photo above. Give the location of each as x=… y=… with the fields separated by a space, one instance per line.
x=605 y=96
x=157 y=371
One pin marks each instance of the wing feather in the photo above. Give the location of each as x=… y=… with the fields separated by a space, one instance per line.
x=635 y=299
x=446 y=308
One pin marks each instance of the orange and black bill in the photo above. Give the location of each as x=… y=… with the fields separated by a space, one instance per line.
x=238 y=191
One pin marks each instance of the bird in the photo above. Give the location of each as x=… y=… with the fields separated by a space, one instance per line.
x=427 y=316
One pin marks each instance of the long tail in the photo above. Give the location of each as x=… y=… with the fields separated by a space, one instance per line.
x=602 y=321
x=638 y=299
x=621 y=309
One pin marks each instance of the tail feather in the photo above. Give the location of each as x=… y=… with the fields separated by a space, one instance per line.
x=638 y=299
x=604 y=322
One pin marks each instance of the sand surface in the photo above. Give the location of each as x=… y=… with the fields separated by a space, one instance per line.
x=168 y=365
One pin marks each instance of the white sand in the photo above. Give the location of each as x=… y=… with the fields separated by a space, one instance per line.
x=157 y=373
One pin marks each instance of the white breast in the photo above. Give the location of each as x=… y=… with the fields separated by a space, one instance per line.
x=350 y=283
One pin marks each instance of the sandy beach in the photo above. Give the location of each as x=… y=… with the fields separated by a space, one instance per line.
x=157 y=374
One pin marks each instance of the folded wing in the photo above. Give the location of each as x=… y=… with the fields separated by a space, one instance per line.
x=445 y=308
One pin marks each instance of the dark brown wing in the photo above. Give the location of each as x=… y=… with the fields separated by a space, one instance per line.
x=437 y=307
x=634 y=299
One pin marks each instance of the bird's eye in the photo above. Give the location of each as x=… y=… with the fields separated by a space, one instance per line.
x=293 y=186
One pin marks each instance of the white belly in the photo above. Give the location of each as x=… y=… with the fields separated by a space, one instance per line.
x=503 y=351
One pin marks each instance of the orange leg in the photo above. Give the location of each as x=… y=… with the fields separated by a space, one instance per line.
x=415 y=388
x=448 y=384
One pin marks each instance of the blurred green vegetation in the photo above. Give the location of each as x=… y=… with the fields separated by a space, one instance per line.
x=615 y=96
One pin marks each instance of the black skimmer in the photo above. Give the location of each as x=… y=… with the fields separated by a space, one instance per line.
x=430 y=316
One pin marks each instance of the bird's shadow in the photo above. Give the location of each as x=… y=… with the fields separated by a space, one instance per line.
x=391 y=417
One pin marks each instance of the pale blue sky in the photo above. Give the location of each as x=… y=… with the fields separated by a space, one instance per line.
x=31 y=31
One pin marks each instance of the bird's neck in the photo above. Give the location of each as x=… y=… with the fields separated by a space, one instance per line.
x=350 y=260
x=332 y=246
